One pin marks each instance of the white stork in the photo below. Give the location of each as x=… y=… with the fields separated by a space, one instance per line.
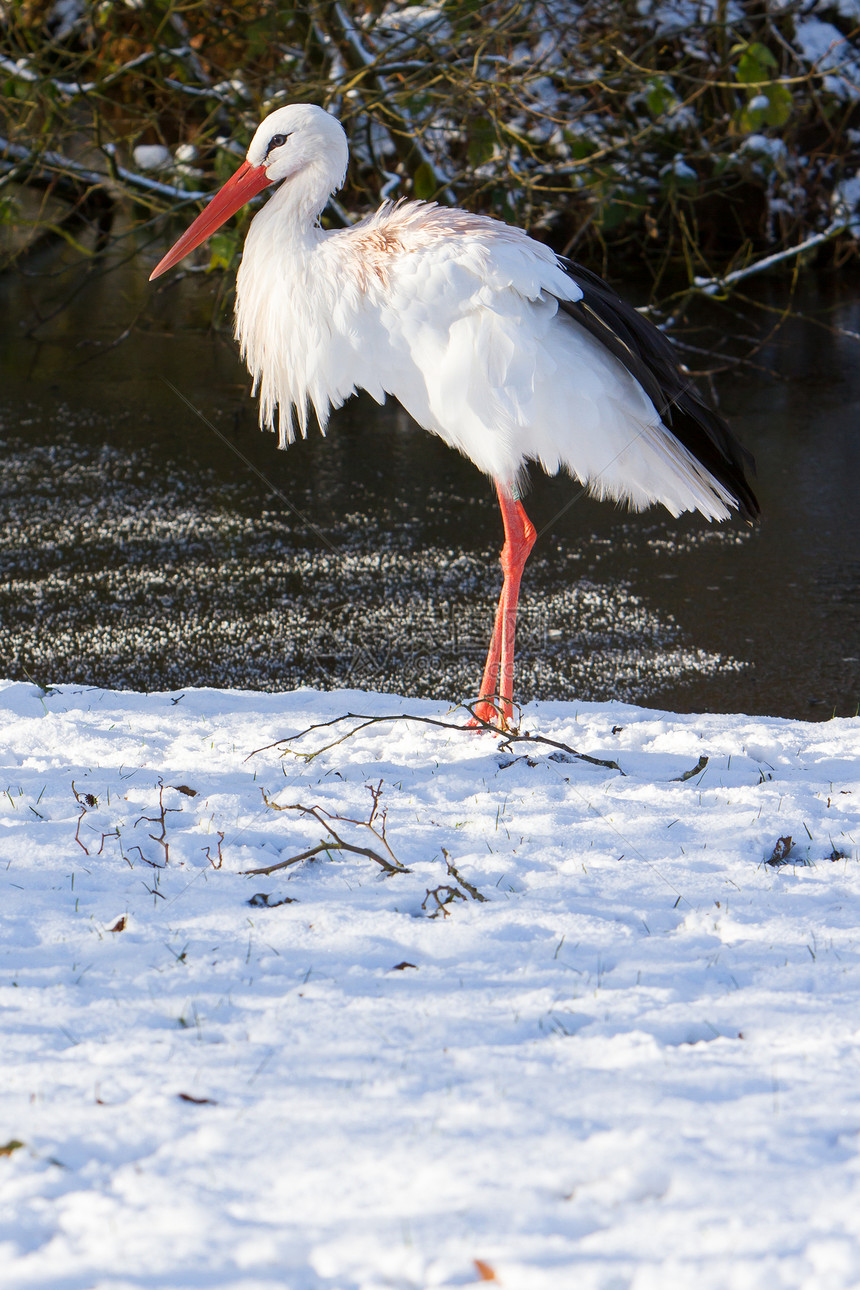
x=490 y=340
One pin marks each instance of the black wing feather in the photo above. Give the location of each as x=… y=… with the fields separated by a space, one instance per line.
x=651 y=359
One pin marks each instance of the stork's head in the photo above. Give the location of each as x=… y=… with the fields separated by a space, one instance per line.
x=293 y=141
x=293 y=138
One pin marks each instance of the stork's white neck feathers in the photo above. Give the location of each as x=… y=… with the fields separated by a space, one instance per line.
x=280 y=300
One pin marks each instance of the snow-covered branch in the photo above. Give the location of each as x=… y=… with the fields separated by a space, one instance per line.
x=50 y=162
x=712 y=285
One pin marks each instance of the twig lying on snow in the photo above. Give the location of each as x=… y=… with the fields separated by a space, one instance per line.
x=87 y=802
x=161 y=818
x=458 y=877
x=337 y=843
x=688 y=774
x=449 y=895
x=508 y=738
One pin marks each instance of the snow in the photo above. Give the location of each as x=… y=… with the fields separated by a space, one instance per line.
x=846 y=203
x=773 y=148
x=677 y=15
x=633 y=1063
x=823 y=45
x=152 y=156
x=680 y=168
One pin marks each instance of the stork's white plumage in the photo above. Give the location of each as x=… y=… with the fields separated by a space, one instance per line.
x=486 y=337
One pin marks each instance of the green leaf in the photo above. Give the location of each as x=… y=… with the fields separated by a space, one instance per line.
x=660 y=97
x=775 y=112
x=613 y=215
x=581 y=147
x=481 y=141
x=755 y=64
x=222 y=248
x=12 y=1145
x=9 y=212
x=424 y=182
x=781 y=104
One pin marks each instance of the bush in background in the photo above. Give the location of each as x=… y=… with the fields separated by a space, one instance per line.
x=693 y=135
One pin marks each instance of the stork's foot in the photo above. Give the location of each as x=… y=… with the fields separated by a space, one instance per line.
x=488 y=714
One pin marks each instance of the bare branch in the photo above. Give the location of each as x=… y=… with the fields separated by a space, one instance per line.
x=337 y=843
x=710 y=286
x=467 y=886
x=507 y=738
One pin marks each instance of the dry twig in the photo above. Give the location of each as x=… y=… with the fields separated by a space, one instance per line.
x=389 y=863
x=507 y=738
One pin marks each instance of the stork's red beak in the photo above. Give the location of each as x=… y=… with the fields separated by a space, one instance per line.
x=240 y=188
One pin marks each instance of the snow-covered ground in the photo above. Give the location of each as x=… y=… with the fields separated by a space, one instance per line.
x=605 y=1031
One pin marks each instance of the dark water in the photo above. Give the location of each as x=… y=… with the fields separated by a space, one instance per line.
x=139 y=548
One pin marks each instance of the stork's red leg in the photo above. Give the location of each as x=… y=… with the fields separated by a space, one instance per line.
x=497 y=685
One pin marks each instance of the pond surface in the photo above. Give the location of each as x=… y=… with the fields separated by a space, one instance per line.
x=145 y=544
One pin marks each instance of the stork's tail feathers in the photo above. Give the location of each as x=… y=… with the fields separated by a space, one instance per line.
x=650 y=358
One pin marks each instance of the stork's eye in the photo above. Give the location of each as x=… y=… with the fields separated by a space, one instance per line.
x=276 y=141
